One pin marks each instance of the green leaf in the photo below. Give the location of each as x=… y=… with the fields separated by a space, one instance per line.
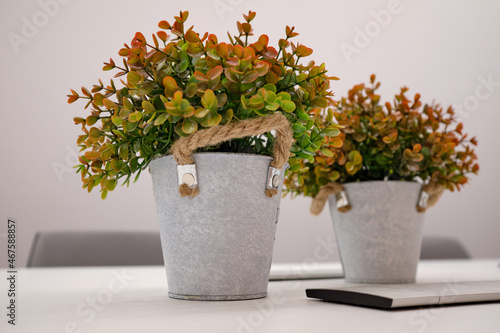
x=191 y=89
x=256 y=102
x=270 y=87
x=209 y=100
x=120 y=134
x=123 y=151
x=320 y=101
x=148 y=107
x=94 y=133
x=244 y=102
x=146 y=150
x=213 y=119
x=302 y=115
x=261 y=113
x=327 y=152
x=178 y=130
x=106 y=154
x=201 y=112
x=98 y=98
x=226 y=118
x=182 y=65
x=148 y=127
x=272 y=106
x=189 y=126
x=91 y=120
x=295 y=167
x=304 y=141
x=127 y=105
x=306 y=155
x=161 y=119
x=287 y=106
x=135 y=117
x=331 y=131
x=124 y=113
x=298 y=128
x=134 y=164
x=111 y=184
x=92 y=155
x=134 y=78
x=334 y=175
x=284 y=96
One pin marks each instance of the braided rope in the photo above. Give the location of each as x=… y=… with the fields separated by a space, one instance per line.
x=433 y=189
x=319 y=201
x=184 y=147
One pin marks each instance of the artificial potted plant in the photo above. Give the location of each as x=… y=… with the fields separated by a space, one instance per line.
x=390 y=163
x=200 y=114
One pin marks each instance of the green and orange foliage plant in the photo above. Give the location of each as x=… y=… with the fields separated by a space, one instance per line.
x=181 y=82
x=402 y=140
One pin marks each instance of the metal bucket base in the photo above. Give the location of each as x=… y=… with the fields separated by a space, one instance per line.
x=216 y=297
x=380 y=237
x=385 y=281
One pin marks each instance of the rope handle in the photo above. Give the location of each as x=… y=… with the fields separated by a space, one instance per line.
x=429 y=196
x=184 y=147
x=320 y=199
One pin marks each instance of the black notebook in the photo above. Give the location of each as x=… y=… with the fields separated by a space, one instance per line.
x=410 y=295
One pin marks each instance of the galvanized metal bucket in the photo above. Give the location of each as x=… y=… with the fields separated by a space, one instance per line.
x=217 y=245
x=380 y=237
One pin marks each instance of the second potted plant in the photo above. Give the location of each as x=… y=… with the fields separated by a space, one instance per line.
x=396 y=159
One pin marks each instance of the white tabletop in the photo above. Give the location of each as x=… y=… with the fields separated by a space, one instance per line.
x=134 y=299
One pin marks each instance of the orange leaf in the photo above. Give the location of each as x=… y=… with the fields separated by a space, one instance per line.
x=337 y=142
x=199 y=76
x=250 y=76
x=214 y=72
x=162 y=35
x=192 y=37
x=164 y=25
x=222 y=50
x=170 y=84
x=72 y=98
x=263 y=40
x=92 y=155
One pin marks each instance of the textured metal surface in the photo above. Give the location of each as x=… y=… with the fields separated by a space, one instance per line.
x=216 y=297
x=217 y=245
x=380 y=237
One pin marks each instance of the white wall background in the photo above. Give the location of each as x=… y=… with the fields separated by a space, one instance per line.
x=445 y=50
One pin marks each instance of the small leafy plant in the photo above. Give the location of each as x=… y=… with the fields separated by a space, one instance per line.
x=404 y=140
x=183 y=82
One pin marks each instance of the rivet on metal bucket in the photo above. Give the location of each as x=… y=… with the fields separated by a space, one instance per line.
x=342 y=200
x=422 y=200
x=273 y=178
x=186 y=174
